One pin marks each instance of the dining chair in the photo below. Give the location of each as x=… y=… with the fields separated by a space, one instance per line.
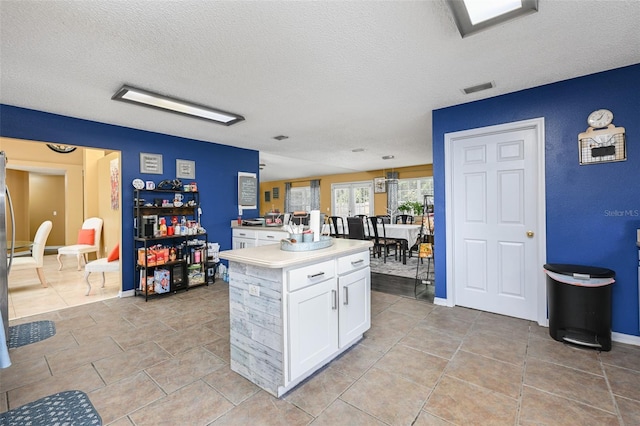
x=404 y=219
x=85 y=244
x=336 y=227
x=36 y=259
x=385 y=218
x=356 y=229
x=382 y=244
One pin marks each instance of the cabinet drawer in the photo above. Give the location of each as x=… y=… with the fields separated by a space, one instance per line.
x=353 y=262
x=272 y=236
x=244 y=233
x=309 y=275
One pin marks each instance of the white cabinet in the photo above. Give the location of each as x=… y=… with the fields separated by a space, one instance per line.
x=270 y=237
x=326 y=314
x=292 y=313
x=313 y=326
x=243 y=238
x=354 y=308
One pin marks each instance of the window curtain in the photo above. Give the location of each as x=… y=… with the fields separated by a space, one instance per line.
x=287 y=197
x=315 y=194
x=392 y=193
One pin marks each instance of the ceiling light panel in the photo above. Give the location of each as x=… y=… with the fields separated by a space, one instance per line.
x=154 y=100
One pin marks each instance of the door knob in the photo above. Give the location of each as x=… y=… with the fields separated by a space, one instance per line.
x=530 y=234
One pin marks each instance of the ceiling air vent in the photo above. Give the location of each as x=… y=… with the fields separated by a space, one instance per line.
x=478 y=88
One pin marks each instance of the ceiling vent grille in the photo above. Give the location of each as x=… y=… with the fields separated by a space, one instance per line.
x=478 y=88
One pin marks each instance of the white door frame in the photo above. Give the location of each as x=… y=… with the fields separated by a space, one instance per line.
x=541 y=235
x=350 y=185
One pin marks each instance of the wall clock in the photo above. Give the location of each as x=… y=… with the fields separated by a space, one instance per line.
x=600 y=118
x=602 y=142
x=62 y=149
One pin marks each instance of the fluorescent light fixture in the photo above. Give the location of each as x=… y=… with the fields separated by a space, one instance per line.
x=472 y=16
x=154 y=100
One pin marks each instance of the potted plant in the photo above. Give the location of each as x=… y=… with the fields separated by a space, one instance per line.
x=405 y=207
x=411 y=206
x=417 y=208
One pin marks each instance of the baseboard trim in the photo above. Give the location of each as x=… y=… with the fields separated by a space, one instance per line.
x=127 y=293
x=625 y=338
x=441 y=302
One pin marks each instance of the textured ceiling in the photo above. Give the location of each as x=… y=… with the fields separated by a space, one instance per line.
x=333 y=76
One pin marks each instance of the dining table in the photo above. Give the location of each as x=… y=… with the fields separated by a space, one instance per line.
x=403 y=232
x=398 y=231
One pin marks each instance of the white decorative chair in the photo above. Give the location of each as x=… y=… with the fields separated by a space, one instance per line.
x=36 y=259
x=81 y=250
x=110 y=263
x=100 y=265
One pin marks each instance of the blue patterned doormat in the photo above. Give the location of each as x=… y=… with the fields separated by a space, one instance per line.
x=31 y=332
x=63 y=408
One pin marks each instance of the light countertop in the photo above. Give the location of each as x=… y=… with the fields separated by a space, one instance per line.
x=270 y=256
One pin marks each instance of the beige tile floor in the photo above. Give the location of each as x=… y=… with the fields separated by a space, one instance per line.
x=65 y=288
x=166 y=362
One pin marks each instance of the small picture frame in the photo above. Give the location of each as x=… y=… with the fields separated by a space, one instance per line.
x=185 y=169
x=379 y=185
x=267 y=196
x=151 y=163
x=276 y=193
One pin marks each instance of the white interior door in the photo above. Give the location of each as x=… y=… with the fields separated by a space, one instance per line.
x=496 y=215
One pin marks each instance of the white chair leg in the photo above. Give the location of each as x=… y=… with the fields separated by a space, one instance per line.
x=41 y=277
x=60 y=262
x=86 y=278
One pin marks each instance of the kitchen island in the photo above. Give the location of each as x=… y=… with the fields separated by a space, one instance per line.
x=293 y=312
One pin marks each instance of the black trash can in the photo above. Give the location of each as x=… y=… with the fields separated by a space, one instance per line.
x=579 y=300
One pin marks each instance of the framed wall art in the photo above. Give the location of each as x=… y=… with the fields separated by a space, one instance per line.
x=185 y=169
x=379 y=185
x=151 y=163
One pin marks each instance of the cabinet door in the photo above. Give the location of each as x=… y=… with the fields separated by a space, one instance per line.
x=240 y=243
x=355 y=304
x=313 y=326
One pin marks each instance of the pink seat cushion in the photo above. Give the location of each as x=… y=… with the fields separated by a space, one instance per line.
x=114 y=254
x=87 y=236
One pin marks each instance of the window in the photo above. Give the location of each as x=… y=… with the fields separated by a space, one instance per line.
x=300 y=199
x=414 y=189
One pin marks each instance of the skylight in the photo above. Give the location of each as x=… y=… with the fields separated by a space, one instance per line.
x=483 y=10
x=472 y=16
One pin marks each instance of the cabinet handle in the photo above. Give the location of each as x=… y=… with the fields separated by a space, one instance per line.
x=356 y=262
x=346 y=296
x=334 y=295
x=319 y=274
x=270 y=236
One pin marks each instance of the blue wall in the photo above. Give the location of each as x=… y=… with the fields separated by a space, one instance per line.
x=592 y=211
x=217 y=167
